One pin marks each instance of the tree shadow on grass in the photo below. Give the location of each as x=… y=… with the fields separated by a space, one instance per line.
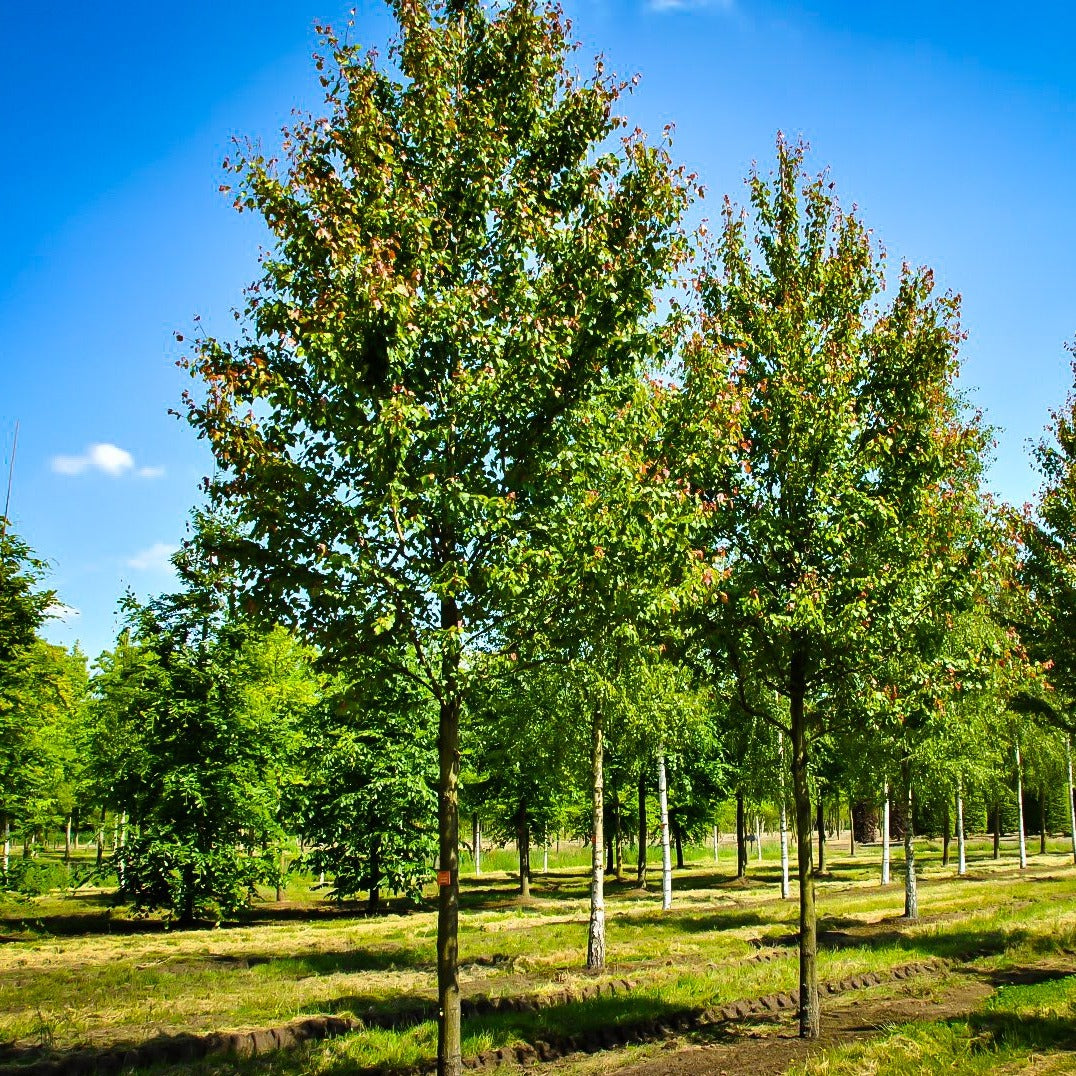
x=101 y=915
x=962 y=944
x=1021 y=1031
x=296 y=965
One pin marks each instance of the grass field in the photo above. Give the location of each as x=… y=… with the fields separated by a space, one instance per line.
x=77 y=972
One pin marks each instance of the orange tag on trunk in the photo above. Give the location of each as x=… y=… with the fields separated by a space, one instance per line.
x=444 y=878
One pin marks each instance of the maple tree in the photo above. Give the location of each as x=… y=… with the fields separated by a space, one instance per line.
x=830 y=522
x=463 y=254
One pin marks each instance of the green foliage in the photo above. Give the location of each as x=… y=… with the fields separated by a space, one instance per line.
x=464 y=258
x=848 y=509
x=197 y=716
x=23 y=607
x=366 y=802
x=524 y=744
x=40 y=712
x=1043 y=605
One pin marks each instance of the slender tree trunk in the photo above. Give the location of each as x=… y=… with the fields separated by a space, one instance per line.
x=821 y=824
x=545 y=857
x=618 y=838
x=911 y=882
x=715 y=846
x=961 y=847
x=784 y=815
x=945 y=835
x=101 y=841
x=476 y=843
x=758 y=836
x=885 y=837
x=1022 y=838
x=809 y=1016
x=851 y=828
x=67 y=841
x=523 y=841
x=596 y=929
x=1072 y=801
x=666 y=858
x=375 y=874
x=1042 y=821
x=280 y=877
x=6 y=862
x=186 y=915
x=640 y=874
x=997 y=829
x=449 y=1030
x=741 y=837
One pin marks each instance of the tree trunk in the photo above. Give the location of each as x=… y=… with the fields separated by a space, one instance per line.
x=476 y=844
x=961 y=847
x=1021 y=837
x=640 y=874
x=885 y=837
x=280 y=877
x=1042 y=821
x=809 y=1017
x=1072 y=802
x=101 y=841
x=741 y=837
x=997 y=830
x=449 y=1036
x=715 y=846
x=851 y=828
x=523 y=842
x=821 y=824
x=758 y=837
x=666 y=858
x=784 y=815
x=67 y=841
x=6 y=861
x=618 y=839
x=911 y=882
x=374 y=901
x=596 y=929
x=186 y=915
x=945 y=835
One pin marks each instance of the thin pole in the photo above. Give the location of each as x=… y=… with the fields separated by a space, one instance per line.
x=10 y=479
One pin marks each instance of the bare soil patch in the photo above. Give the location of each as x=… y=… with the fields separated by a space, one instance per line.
x=768 y=1049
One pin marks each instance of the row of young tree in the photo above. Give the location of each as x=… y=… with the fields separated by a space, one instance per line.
x=544 y=480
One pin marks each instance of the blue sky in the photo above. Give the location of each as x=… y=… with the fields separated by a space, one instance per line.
x=953 y=126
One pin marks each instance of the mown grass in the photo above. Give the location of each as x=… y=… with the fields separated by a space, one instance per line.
x=1019 y=1028
x=61 y=987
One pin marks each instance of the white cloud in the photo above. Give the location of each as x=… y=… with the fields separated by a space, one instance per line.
x=107 y=458
x=154 y=559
